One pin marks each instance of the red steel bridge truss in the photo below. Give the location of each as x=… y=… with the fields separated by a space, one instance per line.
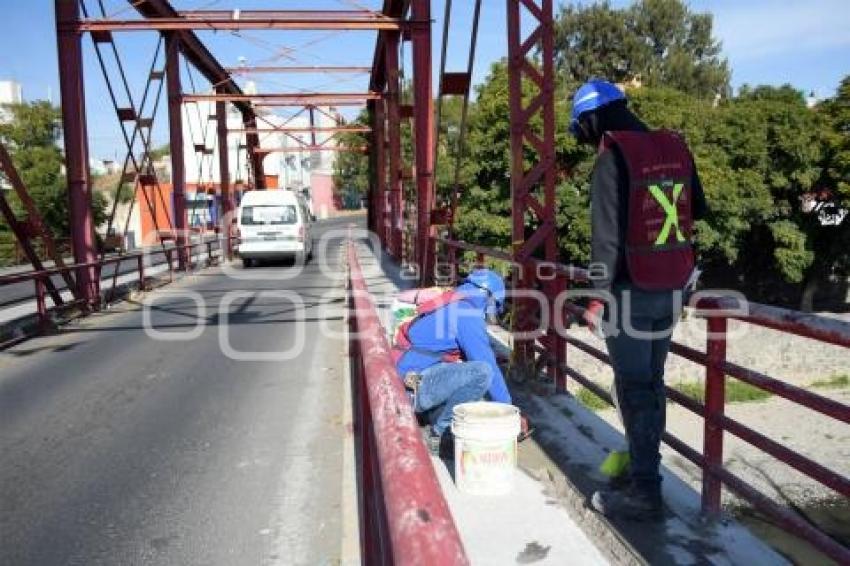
x=413 y=223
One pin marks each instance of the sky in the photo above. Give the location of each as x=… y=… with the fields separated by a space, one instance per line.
x=804 y=43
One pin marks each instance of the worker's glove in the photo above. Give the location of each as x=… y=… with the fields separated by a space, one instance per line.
x=593 y=316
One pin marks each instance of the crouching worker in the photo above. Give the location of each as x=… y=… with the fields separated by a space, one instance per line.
x=444 y=353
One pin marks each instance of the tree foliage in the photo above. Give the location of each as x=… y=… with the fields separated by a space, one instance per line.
x=761 y=154
x=31 y=134
x=351 y=169
x=658 y=42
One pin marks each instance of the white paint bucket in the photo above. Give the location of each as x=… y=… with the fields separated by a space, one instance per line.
x=485 y=437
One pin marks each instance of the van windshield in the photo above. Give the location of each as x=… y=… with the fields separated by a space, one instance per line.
x=269 y=214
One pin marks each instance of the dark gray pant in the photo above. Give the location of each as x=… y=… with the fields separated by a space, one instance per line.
x=639 y=375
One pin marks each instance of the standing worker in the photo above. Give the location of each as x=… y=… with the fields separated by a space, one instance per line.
x=645 y=195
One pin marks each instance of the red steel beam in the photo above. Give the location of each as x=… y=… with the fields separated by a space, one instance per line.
x=313 y=69
x=225 y=222
x=378 y=78
x=281 y=14
x=36 y=223
x=532 y=189
x=306 y=22
x=331 y=103
x=175 y=129
x=396 y=184
x=309 y=148
x=305 y=99
x=194 y=51
x=379 y=148
x=413 y=524
x=252 y=143
x=75 y=136
x=423 y=116
x=305 y=130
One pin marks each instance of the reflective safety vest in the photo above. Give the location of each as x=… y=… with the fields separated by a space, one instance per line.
x=426 y=304
x=658 y=250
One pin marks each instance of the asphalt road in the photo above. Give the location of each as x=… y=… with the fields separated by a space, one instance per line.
x=122 y=448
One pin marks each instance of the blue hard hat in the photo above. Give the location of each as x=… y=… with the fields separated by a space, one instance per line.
x=592 y=95
x=492 y=284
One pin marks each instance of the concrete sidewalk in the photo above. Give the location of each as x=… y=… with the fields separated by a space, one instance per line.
x=545 y=519
x=522 y=528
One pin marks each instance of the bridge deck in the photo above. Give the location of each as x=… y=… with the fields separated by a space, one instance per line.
x=120 y=447
x=546 y=518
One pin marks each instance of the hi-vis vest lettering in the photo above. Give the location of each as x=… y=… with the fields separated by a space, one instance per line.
x=659 y=254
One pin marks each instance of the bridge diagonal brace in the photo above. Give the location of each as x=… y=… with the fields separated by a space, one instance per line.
x=37 y=224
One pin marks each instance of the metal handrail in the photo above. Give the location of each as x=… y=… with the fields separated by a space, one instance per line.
x=40 y=278
x=404 y=516
x=717 y=310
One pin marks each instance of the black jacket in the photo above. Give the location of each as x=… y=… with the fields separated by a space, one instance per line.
x=609 y=199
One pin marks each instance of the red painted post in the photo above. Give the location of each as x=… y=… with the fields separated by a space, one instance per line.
x=557 y=342
x=252 y=141
x=371 y=208
x=41 y=303
x=141 y=266
x=404 y=506
x=226 y=220
x=76 y=148
x=532 y=190
x=175 y=125
x=423 y=117
x=394 y=139
x=380 y=149
x=715 y=395
x=168 y=258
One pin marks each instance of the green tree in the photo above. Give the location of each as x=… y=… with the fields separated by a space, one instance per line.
x=658 y=42
x=31 y=135
x=828 y=227
x=351 y=168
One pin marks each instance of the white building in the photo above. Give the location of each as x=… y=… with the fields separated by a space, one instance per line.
x=11 y=92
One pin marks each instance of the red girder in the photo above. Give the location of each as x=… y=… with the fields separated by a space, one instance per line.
x=331 y=103
x=258 y=21
x=298 y=99
x=293 y=69
x=309 y=148
x=306 y=130
x=533 y=190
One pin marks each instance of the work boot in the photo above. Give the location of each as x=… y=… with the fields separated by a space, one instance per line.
x=440 y=445
x=630 y=503
x=433 y=441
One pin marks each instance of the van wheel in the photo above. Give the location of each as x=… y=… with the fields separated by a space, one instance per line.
x=247 y=262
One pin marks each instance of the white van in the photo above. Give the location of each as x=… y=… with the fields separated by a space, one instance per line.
x=274 y=224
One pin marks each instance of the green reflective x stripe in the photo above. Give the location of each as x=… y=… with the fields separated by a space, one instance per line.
x=672 y=218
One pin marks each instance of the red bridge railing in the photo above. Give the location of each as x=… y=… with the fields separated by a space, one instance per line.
x=404 y=517
x=136 y=260
x=717 y=311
